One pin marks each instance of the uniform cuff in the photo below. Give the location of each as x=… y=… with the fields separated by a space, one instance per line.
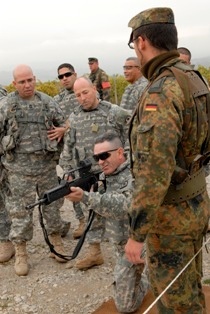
x=85 y=198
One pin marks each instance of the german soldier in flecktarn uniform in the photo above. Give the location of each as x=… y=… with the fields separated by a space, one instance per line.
x=169 y=139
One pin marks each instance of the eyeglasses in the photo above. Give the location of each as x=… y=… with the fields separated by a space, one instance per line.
x=104 y=155
x=129 y=67
x=131 y=43
x=67 y=74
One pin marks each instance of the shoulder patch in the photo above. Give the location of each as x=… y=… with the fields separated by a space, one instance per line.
x=156 y=87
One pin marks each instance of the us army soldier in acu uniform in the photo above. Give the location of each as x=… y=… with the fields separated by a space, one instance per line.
x=28 y=157
x=168 y=136
x=92 y=118
x=130 y=282
x=6 y=248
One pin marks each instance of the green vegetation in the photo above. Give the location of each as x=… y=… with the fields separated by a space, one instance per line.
x=205 y=72
x=206 y=281
x=118 y=84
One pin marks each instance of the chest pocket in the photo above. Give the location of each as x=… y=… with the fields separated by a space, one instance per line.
x=144 y=139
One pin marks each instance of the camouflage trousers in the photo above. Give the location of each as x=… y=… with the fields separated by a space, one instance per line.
x=4 y=220
x=78 y=211
x=23 y=192
x=4 y=217
x=130 y=283
x=97 y=230
x=167 y=256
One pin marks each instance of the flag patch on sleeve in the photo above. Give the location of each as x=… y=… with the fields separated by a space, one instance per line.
x=150 y=107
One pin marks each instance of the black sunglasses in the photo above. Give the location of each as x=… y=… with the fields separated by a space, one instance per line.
x=104 y=155
x=67 y=74
x=129 y=67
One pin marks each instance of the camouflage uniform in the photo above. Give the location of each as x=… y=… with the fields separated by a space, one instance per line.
x=130 y=285
x=132 y=94
x=78 y=144
x=3 y=91
x=173 y=227
x=28 y=159
x=4 y=217
x=98 y=78
x=67 y=102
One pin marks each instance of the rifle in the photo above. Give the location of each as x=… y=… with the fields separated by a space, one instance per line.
x=85 y=181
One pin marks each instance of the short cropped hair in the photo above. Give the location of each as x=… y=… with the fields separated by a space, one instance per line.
x=161 y=36
x=111 y=137
x=66 y=65
x=135 y=59
x=184 y=51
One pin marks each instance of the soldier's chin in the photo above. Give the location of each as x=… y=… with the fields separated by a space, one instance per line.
x=107 y=171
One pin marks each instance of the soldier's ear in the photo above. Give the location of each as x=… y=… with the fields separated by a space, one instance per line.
x=120 y=151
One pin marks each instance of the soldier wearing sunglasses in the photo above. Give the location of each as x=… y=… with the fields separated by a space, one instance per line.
x=67 y=101
x=66 y=98
x=89 y=120
x=130 y=281
x=133 y=75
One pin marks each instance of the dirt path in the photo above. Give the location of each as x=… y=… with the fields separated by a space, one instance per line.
x=50 y=288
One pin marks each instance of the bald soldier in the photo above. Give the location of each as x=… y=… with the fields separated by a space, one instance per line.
x=28 y=158
x=168 y=136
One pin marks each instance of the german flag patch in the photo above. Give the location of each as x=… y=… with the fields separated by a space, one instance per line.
x=150 y=107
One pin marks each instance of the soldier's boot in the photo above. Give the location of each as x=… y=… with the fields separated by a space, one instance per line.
x=7 y=251
x=80 y=229
x=21 y=259
x=65 y=228
x=56 y=240
x=93 y=257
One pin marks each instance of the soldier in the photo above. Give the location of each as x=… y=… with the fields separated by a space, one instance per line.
x=130 y=283
x=168 y=135
x=92 y=118
x=184 y=54
x=133 y=91
x=6 y=247
x=100 y=79
x=25 y=117
x=67 y=102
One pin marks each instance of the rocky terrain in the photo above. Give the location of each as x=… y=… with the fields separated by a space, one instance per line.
x=51 y=288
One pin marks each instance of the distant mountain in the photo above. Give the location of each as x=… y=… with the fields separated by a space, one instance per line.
x=202 y=61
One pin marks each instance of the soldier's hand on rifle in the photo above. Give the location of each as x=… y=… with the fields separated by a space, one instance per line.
x=75 y=195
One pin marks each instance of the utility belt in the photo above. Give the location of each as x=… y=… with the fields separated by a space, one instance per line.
x=192 y=186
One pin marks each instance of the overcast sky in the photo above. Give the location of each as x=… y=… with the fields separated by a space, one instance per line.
x=44 y=34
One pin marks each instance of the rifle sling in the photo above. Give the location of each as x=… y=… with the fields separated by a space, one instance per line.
x=79 y=243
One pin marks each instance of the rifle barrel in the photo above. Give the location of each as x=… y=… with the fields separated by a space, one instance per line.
x=41 y=201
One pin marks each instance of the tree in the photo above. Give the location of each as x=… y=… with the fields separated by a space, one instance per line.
x=205 y=72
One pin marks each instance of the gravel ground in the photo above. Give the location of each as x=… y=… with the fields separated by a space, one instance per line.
x=52 y=288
